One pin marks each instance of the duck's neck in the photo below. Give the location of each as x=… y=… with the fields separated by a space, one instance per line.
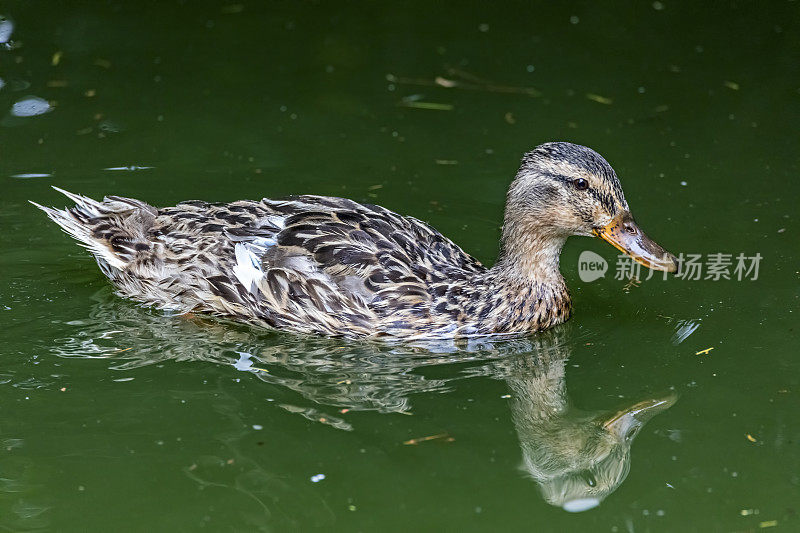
x=539 y=386
x=530 y=255
x=524 y=291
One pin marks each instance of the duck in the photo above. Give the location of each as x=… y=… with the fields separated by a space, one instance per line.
x=337 y=267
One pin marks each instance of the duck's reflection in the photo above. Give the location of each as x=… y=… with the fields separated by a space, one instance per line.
x=576 y=457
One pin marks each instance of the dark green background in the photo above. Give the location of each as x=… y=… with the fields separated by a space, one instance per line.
x=252 y=99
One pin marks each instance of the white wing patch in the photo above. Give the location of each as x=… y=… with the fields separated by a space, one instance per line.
x=277 y=221
x=248 y=262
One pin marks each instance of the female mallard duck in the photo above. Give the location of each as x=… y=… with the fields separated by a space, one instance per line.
x=337 y=267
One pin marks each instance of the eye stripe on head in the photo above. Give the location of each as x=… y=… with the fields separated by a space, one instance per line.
x=605 y=199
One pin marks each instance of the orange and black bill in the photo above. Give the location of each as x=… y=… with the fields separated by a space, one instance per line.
x=624 y=235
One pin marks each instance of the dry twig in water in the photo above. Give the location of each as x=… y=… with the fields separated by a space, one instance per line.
x=441 y=436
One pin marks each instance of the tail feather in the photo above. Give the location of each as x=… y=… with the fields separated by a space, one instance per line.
x=87 y=204
x=113 y=230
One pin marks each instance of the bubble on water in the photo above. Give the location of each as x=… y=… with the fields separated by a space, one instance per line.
x=244 y=362
x=6 y=29
x=30 y=106
x=574 y=19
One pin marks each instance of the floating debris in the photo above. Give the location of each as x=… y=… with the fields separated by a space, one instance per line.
x=123 y=379
x=314 y=415
x=316 y=478
x=509 y=118
x=599 y=99
x=748 y=512
x=109 y=126
x=57 y=84
x=440 y=436
x=768 y=523
x=731 y=85
x=27 y=175
x=446 y=162
x=751 y=438
x=704 y=352
x=100 y=62
x=633 y=282
x=685 y=328
x=31 y=106
x=472 y=83
x=56 y=59
x=435 y=106
x=130 y=168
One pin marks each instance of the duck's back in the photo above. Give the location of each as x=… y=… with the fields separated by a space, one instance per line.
x=304 y=263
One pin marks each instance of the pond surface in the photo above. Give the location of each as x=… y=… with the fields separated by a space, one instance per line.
x=117 y=417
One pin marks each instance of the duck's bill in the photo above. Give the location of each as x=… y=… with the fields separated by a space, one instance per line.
x=624 y=234
x=627 y=422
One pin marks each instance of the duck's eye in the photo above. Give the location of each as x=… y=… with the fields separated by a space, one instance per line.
x=581 y=184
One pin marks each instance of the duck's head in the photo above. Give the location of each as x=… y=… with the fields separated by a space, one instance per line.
x=578 y=459
x=564 y=189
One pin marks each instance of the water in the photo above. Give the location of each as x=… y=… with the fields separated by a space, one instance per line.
x=117 y=417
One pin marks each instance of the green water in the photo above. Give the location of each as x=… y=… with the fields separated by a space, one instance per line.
x=117 y=418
